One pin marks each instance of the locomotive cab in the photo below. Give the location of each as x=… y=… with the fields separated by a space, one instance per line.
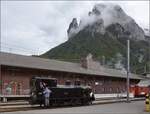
x=35 y=89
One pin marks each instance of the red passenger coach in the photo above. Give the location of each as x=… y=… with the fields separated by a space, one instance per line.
x=141 y=89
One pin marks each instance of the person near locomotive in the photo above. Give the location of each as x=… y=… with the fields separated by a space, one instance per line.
x=41 y=95
x=46 y=93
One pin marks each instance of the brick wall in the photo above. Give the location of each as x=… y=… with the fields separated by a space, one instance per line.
x=18 y=80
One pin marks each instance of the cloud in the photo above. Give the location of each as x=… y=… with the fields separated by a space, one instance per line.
x=33 y=27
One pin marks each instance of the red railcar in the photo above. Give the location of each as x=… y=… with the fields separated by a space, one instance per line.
x=141 y=89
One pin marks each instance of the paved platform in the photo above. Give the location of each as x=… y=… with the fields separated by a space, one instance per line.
x=21 y=105
x=134 y=107
x=97 y=96
x=14 y=103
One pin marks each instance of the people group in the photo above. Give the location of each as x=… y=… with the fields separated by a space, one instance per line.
x=44 y=95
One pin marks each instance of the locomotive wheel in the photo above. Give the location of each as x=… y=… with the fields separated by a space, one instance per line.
x=83 y=102
x=76 y=102
x=86 y=102
x=89 y=102
x=73 y=102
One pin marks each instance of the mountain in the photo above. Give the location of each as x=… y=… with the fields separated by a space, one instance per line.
x=103 y=32
x=102 y=16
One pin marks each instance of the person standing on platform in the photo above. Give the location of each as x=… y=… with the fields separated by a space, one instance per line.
x=46 y=93
x=41 y=96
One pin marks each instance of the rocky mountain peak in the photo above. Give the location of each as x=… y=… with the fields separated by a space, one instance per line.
x=72 y=27
x=104 y=15
x=96 y=27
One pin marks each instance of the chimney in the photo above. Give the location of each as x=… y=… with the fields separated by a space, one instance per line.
x=83 y=63
x=86 y=61
x=147 y=74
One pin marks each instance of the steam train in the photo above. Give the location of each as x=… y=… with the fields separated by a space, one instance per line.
x=141 y=89
x=61 y=94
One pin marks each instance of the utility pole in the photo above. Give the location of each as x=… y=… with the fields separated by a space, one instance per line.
x=1 y=83
x=128 y=69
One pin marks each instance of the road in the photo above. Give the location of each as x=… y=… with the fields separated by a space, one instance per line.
x=135 y=107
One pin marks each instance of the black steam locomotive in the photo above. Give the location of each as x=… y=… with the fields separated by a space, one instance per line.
x=61 y=94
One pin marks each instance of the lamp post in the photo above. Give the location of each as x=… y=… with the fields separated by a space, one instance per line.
x=1 y=83
x=127 y=36
x=128 y=70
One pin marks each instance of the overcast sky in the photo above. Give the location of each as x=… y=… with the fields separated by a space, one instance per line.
x=34 y=27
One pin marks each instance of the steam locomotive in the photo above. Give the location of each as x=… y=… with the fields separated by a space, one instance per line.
x=61 y=94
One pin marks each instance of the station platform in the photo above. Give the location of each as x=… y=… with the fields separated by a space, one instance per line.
x=24 y=105
x=6 y=98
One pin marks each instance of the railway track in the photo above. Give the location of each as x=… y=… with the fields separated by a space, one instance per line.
x=26 y=107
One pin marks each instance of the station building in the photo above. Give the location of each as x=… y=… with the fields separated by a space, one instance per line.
x=17 y=70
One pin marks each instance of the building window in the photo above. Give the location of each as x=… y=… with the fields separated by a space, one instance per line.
x=68 y=83
x=96 y=83
x=101 y=82
x=118 y=89
x=109 y=81
x=110 y=89
x=103 y=89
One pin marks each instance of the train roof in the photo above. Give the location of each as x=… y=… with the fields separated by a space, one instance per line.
x=144 y=83
x=72 y=86
x=44 y=78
